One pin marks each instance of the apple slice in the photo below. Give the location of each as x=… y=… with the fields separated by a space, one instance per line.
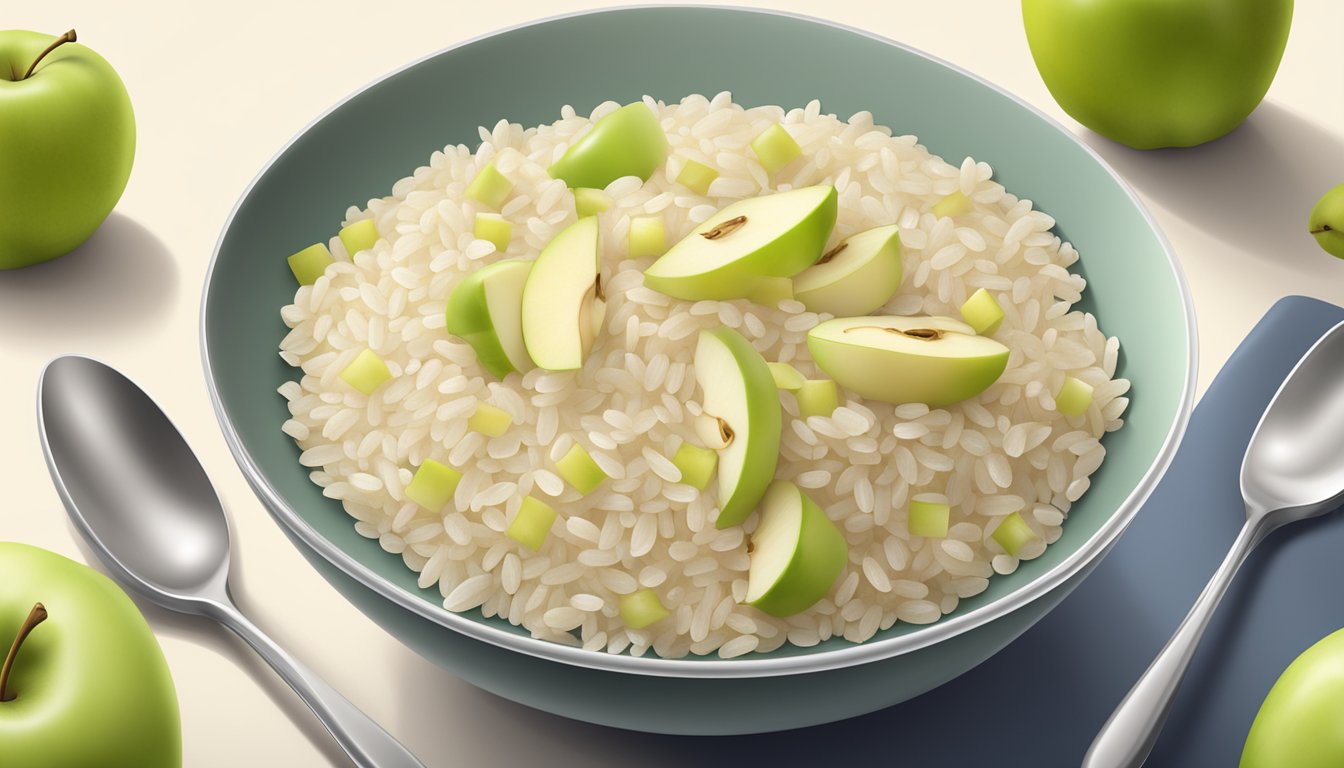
x=696 y=464
x=486 y=311
x=786 y=376
x=796 y=553
x=817 y=397
x=855 y=277
x=563 y=305
x=727 y=256
x=627 y=142
x=932 y=360
x=741 y=395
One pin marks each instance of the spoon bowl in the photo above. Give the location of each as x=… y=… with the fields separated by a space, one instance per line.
x=144 y=503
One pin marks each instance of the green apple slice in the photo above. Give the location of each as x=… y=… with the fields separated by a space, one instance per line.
x=696 y=464
x=310 y=263
x=366 y=372
x=786 y=376
x=359 y=236
x=769 y=291
x=642 y=608
x=433 y=485
x=727 y=256
x=579 y=470
x=1074 y=397
x=982 y=312
x=855 y=277
x=932 y=360
x=817 y=397
x=741 y=395
x=797 y=553
x=627 y=142
x=486 y=311
x=532 y=524
x=563 y=305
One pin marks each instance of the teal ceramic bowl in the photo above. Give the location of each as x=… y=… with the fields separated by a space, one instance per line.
x=359 y=148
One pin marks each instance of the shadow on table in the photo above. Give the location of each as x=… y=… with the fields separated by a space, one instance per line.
x=121 y=279
x=1252 y=189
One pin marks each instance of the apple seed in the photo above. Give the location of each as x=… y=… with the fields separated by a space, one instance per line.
x=726 y=228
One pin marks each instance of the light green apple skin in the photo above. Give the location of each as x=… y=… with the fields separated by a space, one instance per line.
x=67 y=141
x=1158 y=73
x=1327 y=222
x=627 y=142
x=858 y=280
x=792 y=251
x=554 y=296
x=740 y=491
x=469 y=317
x=1298 y=724
x=92 y=685
x=818 y=558
x=917 y=373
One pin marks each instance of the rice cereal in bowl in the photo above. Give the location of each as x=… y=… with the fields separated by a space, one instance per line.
x=691 y=378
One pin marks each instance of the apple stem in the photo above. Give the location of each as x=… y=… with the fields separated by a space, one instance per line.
x=35 y=617
x=68 y=37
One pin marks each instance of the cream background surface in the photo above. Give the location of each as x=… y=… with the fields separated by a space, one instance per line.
x=219 y=87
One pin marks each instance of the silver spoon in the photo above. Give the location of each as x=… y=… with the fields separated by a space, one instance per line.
x=142 y=500
x=1293 y=470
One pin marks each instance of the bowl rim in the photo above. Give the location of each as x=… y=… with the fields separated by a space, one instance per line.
x=712 y=667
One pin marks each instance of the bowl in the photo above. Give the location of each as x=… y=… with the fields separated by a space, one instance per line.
x=353 y=153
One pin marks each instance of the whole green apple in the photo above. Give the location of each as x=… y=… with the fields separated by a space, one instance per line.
x=86 y=685
x=1158 y=73
x=1299 y=722
x=66 y=144
x=1327 y=222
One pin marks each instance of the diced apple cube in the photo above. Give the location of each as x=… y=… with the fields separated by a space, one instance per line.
x=982 y=313
x=490 y=187
x=775 y=148
x=817 y=397
x=532 y=524
x=929 y=514
x=590 y=202
x=359 y=236
x=642 y=608
x=366 y=372
x=1012 y=533
x=648 y=237
x=309 y=264
x=579 y=470
x=1074 y=397
x=489 y=420
x=433 y=485
x=696 y=464
x=786 y=377
x=952 y=205
x=697 y=177
x=493 y=228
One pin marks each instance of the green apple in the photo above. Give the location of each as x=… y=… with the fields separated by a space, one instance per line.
x=696 y=464
x=855 y=277
x=489 y=420
x=817 y=397
x=982 y=312
x=932 y=360
x=775 y=148
x=563 y=305
x=590 y=202
x=532 y=524
x=1158 y=73
x=486 y=311
x=769 y=291
x=741 y=397
x=1012 y=533
x=67 y=140
x=1298 y=723
x=786 y=376
x=494 y=229
x=360 y=236
x=489 y=188
x=433 y=485
x=796 y=553
x=648 y=237
x=1327 y=222
x=727 y=256
x=578 y=469
x=929 y=515
x=697 y=177
x=952 y=206
x=367 y=372
x=642 y=608
x=87 y=685
x=310 y=263
x=627 y=142
x=1074 y=397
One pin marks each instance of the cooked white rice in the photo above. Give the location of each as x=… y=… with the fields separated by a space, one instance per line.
x=632 y=403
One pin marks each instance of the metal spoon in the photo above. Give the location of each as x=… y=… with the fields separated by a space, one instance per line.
x=1293 y=470
x=142 y=500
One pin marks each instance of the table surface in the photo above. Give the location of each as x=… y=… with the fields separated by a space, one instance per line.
x=220 y=87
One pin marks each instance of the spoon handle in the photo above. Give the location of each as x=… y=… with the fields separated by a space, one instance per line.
x=367 y=744
x=1132 y=729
